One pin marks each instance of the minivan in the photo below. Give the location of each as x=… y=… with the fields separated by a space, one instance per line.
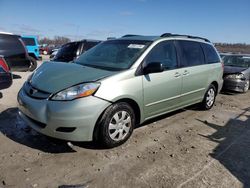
x=119 y=84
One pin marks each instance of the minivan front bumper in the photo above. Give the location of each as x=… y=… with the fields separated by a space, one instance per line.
x=68 y=120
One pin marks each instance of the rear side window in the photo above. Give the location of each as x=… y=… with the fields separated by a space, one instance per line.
x=164 y=53
x=89 y=45
x=210 y=53
x=11 y=45
x=29 y=41
x=68 y=50
x=191 y=53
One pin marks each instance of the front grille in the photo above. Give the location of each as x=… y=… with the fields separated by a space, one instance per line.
x=35 y=93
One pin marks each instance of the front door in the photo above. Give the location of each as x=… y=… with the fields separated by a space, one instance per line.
x=162 y=90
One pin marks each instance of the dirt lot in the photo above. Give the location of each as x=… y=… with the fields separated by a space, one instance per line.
x=187 y=148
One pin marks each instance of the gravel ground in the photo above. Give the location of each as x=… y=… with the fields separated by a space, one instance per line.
x=187 y=148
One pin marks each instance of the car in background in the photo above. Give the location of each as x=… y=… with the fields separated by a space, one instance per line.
x=236 y=72
x=70 y=51
x=14 y=51
x=5 y=74
x=119 y=84
x=53 y=54
x=47 y=49
x=223 y=54
x=32 y=46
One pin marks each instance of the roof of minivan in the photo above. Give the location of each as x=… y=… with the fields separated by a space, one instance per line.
x=168 y=35
x=140 y=37
x=29 y=36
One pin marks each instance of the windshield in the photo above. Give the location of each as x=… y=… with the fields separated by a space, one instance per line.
x=237 y=61
x=113 y=55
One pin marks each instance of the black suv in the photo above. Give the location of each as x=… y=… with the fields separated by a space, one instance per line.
x=14 y=52
x=70 y=51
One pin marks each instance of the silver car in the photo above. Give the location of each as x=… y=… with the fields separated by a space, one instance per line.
x=119 y=84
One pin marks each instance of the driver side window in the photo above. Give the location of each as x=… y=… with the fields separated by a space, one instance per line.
x=164 y=53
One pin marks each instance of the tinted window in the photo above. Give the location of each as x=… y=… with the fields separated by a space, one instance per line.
x=210 y=53
x=88 y=45
x=11 y=45
x=191 y=53
x=29 y=41
x=67 y=51
x=164 y=53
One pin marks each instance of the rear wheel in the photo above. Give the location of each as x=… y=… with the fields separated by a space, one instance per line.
x=116 y=124
x=246 y=86
x=33 y=63
x=209 y=98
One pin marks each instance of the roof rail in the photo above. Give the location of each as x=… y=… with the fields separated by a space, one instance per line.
x=187 y=36
x=130 y=35
x=111 y=38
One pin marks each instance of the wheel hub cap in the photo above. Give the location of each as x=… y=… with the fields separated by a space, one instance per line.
x=119 y=125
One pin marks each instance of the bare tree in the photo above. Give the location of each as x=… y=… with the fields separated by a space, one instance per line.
x=57 y=40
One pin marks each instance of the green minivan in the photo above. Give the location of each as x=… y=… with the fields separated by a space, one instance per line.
x=118 y=84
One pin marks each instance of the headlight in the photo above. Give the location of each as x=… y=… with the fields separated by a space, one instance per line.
x=78 y=91
x=235 y=76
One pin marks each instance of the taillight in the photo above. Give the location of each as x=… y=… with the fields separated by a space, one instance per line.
x=4 y=65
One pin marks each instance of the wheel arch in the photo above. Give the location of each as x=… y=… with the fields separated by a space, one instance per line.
x=216 y=85
x=132 y=103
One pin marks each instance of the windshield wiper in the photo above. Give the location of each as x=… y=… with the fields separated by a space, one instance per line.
x=99 y=67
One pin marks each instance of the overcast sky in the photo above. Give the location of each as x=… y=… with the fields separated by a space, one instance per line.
x=217 y=20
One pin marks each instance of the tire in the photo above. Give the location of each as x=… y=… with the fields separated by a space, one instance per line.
x=209 y=98
x=116 y=125
x=246 y=87
x=33 y=64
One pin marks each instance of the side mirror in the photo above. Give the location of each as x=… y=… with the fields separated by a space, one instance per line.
x=153 y=67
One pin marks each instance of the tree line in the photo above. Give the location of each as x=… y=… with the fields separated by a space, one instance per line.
x=56 y=41
x=222 y=47
x=234 y=48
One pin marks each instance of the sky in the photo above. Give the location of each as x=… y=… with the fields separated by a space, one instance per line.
x=218 y=20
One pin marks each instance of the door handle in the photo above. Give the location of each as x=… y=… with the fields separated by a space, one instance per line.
x=177 y=75
x=185 y=72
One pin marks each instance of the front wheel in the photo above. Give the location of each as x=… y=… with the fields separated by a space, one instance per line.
x=209 y=98
x=116 y=124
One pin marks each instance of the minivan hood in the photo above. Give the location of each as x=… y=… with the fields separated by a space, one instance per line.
x=233 y=70
x=55 y=76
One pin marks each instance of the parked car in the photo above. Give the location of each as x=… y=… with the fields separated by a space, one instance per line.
x=32 y=46
x=119 y=84
x=14 y=52
x=53 y=54
x=222 y=55
x=70 y=51
x=5 y=74
x=236 y=72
